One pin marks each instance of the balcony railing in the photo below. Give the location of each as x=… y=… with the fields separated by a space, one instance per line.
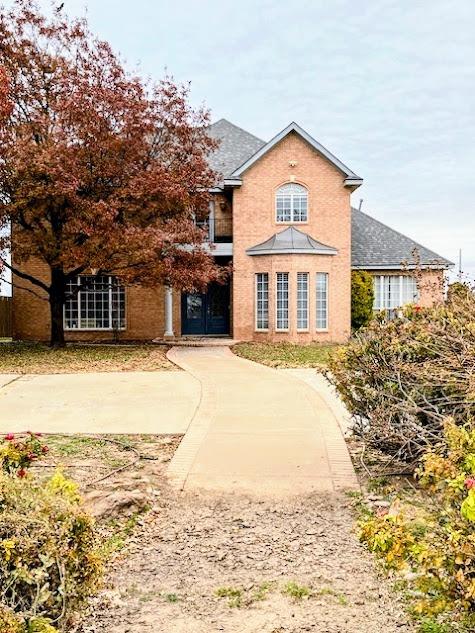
x=218 y=230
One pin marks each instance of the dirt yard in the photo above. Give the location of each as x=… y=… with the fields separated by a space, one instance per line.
x=208 y=563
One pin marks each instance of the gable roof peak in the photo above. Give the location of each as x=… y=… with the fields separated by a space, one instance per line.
x=351 y=178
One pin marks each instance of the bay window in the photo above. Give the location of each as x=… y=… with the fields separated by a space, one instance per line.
x=322 y=301
x=262 y=301
x=282 y=302
x=302 y=301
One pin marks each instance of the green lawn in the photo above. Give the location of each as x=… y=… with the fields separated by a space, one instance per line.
x=286 y=354
x=35 y=358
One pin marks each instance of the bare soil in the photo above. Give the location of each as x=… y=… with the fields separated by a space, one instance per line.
x=203 y=563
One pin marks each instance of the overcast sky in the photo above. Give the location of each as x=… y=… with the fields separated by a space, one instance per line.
x=388 y=86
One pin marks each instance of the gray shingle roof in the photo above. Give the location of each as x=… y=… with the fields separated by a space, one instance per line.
x=236 y=146
x=291 y=241
x=376 y=245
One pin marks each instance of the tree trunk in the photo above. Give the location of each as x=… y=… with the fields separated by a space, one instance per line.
x=57 y=295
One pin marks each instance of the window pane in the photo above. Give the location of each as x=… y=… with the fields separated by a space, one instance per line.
x=302 y=301
x=410 y=293
x=291 y=203
x=99 y=304
x=377 y=292
x=282 y=301
x=262 y=301
x=322 y=301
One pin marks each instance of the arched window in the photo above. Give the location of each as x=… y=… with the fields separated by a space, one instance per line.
x=291 y=203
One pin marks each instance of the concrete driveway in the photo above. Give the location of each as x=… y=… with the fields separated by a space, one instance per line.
x=123 y=402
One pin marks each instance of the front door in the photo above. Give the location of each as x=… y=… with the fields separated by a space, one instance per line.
x=206 y=313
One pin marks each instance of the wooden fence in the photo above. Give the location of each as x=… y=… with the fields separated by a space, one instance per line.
x=6 y=326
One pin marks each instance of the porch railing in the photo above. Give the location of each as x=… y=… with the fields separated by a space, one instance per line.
x=218 y=230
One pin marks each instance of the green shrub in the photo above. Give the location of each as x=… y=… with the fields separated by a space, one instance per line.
x=362 y=298
x=48 y=551
x=400 y=379
x=434 y=538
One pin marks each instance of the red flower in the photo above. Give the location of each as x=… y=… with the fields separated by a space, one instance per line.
x=470 y=482
x=417 y=308
x=44 y=449
x=32 y=456
x=21 y=473
x=10 y=436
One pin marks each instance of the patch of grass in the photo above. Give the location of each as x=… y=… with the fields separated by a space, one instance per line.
x=328 y=591
x=262 y=591
x=233 y=594
x=286 y=354
x=171 y=597
x=376 y=484
x=431 y=626
x=36 y=358
x=120 y=531
x=74 y=445
x=296 y=591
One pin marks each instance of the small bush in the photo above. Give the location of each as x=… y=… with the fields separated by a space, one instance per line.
x=434 y=538
x=400 y=379
x=362 y=298
x=18 y=453
x=48 y=551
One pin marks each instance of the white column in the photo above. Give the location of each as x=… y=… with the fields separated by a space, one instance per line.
x=169 y=311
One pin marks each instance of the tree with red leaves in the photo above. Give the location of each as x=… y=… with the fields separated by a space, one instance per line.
x=99 y=170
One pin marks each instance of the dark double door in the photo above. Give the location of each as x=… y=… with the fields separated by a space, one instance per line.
x=206 y=313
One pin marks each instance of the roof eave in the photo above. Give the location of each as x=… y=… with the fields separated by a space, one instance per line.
x=232 y=182
x=291 y=251
x=433 y=266
x=353 y=182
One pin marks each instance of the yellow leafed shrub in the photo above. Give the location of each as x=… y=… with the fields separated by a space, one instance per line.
x=49 y=561
x=433 y=536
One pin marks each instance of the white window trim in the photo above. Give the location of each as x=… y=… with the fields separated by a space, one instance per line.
x=304 y=329
x=256 y=310
x=292 y=221
x=323 y=329
x=97 y=329
x=278 y=329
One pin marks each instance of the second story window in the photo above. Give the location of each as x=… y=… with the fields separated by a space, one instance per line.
x=291 y=203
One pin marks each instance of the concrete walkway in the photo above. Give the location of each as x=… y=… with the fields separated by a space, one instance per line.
x=110 y=402
x=257 y=430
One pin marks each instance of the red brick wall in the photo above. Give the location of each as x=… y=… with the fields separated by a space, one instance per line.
x=329 y=222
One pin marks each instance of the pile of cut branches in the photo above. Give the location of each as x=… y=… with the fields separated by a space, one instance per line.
x=401 y=379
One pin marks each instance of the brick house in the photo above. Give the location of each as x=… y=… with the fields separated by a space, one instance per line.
x=281 y=214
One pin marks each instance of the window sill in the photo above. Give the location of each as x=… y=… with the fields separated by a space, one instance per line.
x=94 y=329
x=322 y=330
x=300 y=330
x=292 y=222
x=261 y=330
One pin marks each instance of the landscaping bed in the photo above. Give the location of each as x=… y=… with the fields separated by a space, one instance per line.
x=85 y=495
x=36 y=358
x=286 y=354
